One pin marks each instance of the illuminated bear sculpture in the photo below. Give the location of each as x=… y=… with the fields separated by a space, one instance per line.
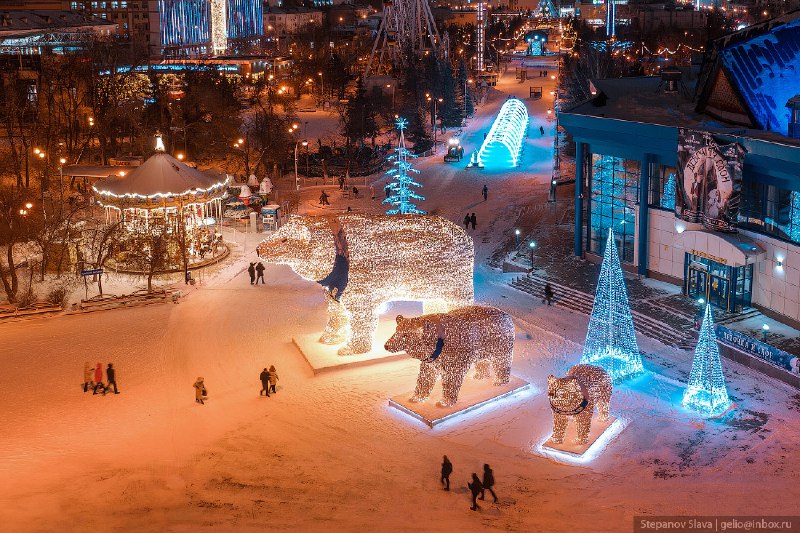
x=448 y=344
x=364 y=261
x=575 y=396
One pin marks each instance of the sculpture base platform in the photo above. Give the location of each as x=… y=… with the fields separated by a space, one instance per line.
x=577 y=450
x=475 y=393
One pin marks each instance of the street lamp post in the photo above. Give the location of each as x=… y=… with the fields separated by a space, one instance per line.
x=516 y=235
x=433 y=116
x=296 y=175
x=305 y=144
x=532 y=245
x=321 y=85
x=391 y=86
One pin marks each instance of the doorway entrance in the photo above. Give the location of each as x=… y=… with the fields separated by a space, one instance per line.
x=721 y=285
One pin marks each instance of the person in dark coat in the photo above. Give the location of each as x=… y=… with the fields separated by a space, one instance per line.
x=488 y=482
x=264 y=377
x=98 y=379
x=447 y=469
x=467 y=220
x=341 y=183
x=387 y=190
x=111 y=375
x=323 y=199
x=260 y=272
x=473 y=220
x=548 y=293
x=252 y=271
x=475 y=488
x=485 y=193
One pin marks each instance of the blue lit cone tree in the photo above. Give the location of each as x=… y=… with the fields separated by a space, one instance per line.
x=611 y=340
x=401 y=196
x=706 y=391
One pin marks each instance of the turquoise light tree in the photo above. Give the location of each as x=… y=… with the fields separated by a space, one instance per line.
x=611 y=340
x=706 y=391
x=668 y=195
x=401 y=195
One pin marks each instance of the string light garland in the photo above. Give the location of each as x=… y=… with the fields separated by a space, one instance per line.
x=401 y=194
x=611 y=339
x=448 y=344
x=706 y=391
x=364 y=261
x=575 y=397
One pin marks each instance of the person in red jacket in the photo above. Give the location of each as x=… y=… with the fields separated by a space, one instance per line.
x=98 y=379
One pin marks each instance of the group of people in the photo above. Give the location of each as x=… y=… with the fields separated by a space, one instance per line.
x=542 y=73
x=93 y=378
x=269 y=380
x=477 y=486
x=256 y=272
x=470 y=219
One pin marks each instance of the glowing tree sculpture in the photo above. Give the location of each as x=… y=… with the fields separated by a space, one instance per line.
x=364 y=261
x=448 y=344
x=401 y=194
x=706 y=391
x=611 y=340
x=545 y=10
x=575 y=396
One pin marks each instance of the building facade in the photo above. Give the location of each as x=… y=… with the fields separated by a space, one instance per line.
x=700 y=178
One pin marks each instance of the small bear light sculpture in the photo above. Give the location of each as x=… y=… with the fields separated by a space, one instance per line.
x=575 y=396
x=448 y=344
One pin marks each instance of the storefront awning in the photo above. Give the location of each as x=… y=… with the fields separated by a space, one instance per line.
x=731 y=249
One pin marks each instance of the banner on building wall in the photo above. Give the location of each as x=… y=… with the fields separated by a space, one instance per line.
x=709 y=181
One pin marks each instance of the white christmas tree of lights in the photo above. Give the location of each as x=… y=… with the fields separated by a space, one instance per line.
x=611 y=340
x=401 y=195
x=706 y=391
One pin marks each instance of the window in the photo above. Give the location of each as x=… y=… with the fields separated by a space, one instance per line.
x=770 y=210
x=615 y=190
x=663 y=186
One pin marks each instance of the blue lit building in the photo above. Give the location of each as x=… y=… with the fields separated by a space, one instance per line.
x=631 y=136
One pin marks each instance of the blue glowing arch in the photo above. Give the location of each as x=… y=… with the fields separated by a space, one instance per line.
x=504 y=140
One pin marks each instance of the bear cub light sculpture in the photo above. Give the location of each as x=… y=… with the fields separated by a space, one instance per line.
x=448 y=344
x=575 y=396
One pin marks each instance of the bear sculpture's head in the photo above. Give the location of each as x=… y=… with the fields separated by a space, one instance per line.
x=566 y=394
x=304 y=243
x=417 y=336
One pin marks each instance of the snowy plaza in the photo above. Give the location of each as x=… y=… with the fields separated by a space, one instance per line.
x=327 y=451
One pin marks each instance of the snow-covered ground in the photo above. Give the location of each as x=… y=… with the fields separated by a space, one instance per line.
x=326 y=453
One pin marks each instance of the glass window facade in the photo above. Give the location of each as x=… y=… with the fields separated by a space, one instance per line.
x=615 y=191
x=662 y=186
x=770 y=210
x=723 y=286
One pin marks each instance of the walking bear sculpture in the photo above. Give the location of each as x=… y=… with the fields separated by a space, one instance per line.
x=575 y=396
x=448 y=344
x=363 y=261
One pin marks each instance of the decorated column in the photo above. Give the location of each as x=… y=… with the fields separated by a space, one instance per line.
x=611 y=340
x=706 y=391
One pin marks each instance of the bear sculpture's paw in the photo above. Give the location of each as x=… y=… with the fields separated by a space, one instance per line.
x=557 y=440
x=345 y=350
x=331 y=338
x=501 y=382
x=445 y=403
x=581 y=441
x=418 y=399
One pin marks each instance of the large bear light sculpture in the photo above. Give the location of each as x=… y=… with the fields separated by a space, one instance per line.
x=448 y=344
x=364 y=261
x=575 y=396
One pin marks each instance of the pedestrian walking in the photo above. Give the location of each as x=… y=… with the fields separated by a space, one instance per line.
x=98 y=379
x=111 y=376
x=541 y=130
x=488 y=482
x=87 y=377
x=475 y=488
x=467 y=221
x=323 y=199
x=548 y=293
x=473 y=220
x=355 y=192
x=273 y=378
x=372 y=191
x=485 y=193
x=447 y=469
x=252 y=271
x=260 y=273
x=200 y=392
x=387 y=190
x=341 y=183
x=264 y=377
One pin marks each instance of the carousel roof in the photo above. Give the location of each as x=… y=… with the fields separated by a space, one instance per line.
x=161 y=176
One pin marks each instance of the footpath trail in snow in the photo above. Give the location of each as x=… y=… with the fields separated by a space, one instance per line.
x=326 y=452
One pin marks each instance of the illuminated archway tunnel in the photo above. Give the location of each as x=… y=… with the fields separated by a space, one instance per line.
x=503 y=143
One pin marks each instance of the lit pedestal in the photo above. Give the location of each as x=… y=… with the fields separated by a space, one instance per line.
x=577 y=450
x=324 y=357
x=475 y=393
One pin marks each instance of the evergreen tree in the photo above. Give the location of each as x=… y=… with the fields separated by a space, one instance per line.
x=611 y=339
x=468 y=104
x=359 y=117
x=706 y=391
x=451 y=109
x=418 y=132
x=401 y=195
